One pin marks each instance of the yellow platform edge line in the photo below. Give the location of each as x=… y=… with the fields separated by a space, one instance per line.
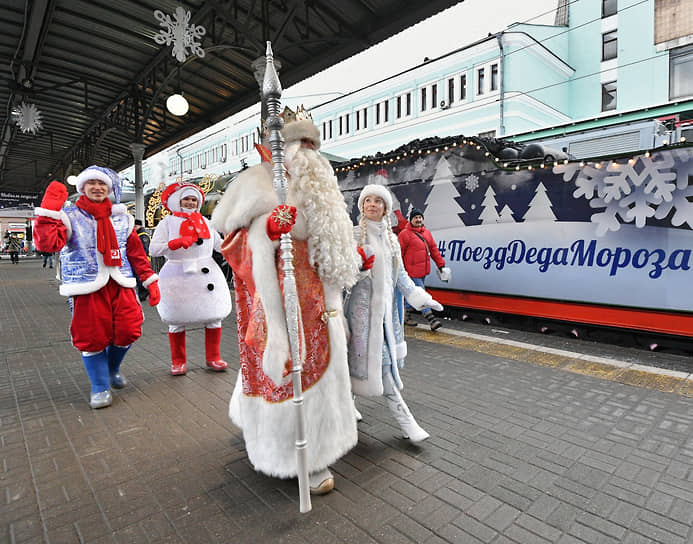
x=628 y=376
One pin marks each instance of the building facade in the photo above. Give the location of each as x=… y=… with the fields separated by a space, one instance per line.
x=604 y=63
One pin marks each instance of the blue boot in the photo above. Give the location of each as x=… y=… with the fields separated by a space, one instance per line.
x=115 y=357
x=96 y=365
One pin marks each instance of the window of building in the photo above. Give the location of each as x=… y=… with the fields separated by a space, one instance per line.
x=223 y=152
x=329 y=129
x=403 y=105
x=451 y=90
x=463 y=87
x=681 y=72
x=324 y=130
x=382 y=112
x=365 y=118
x=494 y=77
x=423 y=99
x=434 y=96
x=609 y=45
x=480 y=77
x=609 y=7
x=346 y=124
x=609 y=96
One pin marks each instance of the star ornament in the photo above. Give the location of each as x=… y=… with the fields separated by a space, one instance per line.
x=27 y=117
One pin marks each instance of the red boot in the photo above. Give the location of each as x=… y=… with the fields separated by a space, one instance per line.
x=178 y=358
x=212 y=341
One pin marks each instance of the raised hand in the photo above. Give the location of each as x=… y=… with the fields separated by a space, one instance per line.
x=54 y=197
x=280 y=221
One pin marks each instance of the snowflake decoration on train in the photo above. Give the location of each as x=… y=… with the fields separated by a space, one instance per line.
x=180 y=33
x=471 y=183
x=633 y=192
x=419 y=165
x=27 y=117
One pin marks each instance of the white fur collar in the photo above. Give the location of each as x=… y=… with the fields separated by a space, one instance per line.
x=251 y=194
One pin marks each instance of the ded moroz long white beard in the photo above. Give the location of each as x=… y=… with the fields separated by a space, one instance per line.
x=331 y=245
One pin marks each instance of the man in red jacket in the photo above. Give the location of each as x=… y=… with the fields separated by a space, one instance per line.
x=418 y=248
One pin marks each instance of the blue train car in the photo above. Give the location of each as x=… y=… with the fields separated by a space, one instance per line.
x=604 y=241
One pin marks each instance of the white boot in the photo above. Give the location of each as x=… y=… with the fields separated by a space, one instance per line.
x=357 y=414
x=410 y=428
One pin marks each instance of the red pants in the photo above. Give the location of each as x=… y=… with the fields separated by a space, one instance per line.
x=111 y=315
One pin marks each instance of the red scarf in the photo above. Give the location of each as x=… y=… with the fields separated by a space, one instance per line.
x=193 y=225
x=106 y=241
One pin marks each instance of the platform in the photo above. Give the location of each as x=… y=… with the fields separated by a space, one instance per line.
x=534 y=439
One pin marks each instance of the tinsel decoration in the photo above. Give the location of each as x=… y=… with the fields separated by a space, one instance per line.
x=27 y=117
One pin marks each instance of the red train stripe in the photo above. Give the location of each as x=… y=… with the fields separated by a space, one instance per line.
x=666 y=322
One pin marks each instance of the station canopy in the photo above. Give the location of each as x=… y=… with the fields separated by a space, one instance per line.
x=84 y=79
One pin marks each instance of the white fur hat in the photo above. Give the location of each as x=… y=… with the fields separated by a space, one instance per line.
x=299 y=124
x=377 y=190
x=108 y=176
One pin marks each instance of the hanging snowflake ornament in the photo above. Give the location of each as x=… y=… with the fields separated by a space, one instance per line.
x=180 y=33
x=27 y=117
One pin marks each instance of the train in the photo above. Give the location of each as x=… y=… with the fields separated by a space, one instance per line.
x=604 y=241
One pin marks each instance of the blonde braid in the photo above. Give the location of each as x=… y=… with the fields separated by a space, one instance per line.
x=362 y=224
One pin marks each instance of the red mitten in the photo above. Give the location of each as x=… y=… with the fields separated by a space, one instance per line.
x=280 y=221
x=367 y=263
x=154 y=293
x=183 y=242
x=54 y=197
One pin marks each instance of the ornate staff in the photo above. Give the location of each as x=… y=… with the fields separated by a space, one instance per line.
x=272 y=91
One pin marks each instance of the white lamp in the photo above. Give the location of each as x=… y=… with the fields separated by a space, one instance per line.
x=177 y=104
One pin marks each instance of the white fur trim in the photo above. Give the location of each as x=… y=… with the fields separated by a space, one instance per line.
x=419 y=298
x=269 y=428
x=251 y=194
x=119 y=209
x=92 y=173
x=177 y=196
x=302 y=129
x=53 y=214
x=377 y=190
x=151 y=279
x=267 y=286
x=102 y=277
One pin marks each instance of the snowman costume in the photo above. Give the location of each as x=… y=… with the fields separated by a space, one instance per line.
x=193 y=287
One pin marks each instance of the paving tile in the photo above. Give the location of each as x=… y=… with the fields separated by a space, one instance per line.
x=519 y=453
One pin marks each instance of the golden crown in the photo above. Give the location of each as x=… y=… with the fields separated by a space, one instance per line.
x=301 y=114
